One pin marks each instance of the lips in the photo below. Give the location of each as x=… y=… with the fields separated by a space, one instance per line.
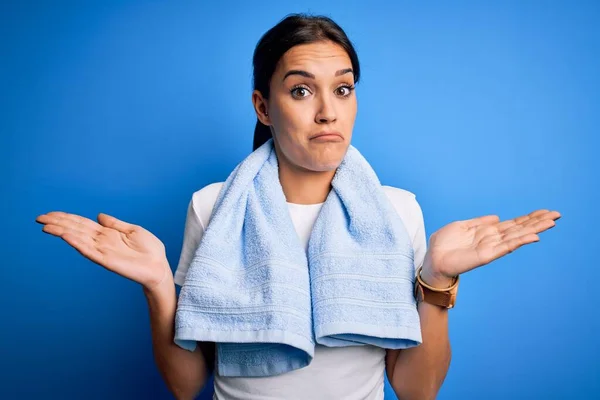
x=328 y=135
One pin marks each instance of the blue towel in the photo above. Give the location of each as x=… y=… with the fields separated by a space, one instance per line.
x=254 y=290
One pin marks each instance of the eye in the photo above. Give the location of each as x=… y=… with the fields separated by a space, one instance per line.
x=300 y=92
x=344 y=90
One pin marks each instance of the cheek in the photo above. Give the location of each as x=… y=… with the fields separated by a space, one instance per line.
x=294 y=120
x=350 y=109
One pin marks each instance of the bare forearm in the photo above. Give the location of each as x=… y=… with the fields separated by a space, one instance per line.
x=419 y=372
x=184 y=372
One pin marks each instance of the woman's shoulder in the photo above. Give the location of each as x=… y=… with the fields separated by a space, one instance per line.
x=397 y=194
x=406 y=205
x=204 y=199
x=403 y=200
x=208 y=193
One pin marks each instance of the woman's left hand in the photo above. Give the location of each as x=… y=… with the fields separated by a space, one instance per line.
x=464 y=245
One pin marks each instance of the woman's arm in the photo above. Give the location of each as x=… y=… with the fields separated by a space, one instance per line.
x=418 y=372
x=135 y=253
x=184 y=372
x=461 y=246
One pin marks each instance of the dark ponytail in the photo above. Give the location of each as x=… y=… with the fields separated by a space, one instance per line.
x=293 y=30
x=262 y=133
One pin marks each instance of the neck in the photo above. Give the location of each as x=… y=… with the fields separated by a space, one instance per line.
x=302 y=186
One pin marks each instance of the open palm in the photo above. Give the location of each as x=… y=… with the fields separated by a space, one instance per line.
x=126 y=249
x=464 y=245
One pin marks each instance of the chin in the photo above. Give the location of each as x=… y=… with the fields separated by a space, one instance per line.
x=325 y=166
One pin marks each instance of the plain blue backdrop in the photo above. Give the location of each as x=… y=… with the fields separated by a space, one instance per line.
x=127 y=108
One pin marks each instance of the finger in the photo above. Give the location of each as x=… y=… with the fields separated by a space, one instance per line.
x=538 y=223
x=535 y=216
x=550 y=216
x=114 y=223
x=84 y=248
x=504 y=247
x=522 y=219
x=554 y=215
x=505 y=225
x=508 y=246
x=538 y=227
x=484 y=220
x=61 y=231
x=72 y=221
x=541 y=226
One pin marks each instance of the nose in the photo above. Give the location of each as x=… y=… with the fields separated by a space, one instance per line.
x=326 y=110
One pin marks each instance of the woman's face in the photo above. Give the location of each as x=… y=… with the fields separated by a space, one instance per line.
x=312 y=93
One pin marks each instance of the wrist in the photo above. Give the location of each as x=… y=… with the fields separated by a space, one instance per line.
x=434 y=278
x=160 y=297
x=161 y=287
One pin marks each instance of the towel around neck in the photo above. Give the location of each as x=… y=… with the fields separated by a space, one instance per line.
x=253 y=289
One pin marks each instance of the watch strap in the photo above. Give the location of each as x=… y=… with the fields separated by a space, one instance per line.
x=445 y=297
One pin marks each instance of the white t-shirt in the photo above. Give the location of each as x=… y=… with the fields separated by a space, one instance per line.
x=348 y=373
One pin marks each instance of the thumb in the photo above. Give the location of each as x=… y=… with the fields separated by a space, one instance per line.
x=114 y=223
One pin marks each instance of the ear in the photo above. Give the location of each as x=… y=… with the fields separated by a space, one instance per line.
x=261 y=107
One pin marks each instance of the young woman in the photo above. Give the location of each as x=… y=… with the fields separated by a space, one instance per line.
x=305 y=72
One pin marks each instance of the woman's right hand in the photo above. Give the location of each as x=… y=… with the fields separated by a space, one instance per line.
x=126 y=249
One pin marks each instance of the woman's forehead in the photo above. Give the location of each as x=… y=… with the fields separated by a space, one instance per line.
x=317 y=58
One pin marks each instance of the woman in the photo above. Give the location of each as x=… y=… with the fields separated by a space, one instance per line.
x=305 y=71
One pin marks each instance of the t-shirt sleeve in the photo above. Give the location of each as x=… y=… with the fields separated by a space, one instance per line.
x=419 y=238
x=410 y=211
x=193 y=232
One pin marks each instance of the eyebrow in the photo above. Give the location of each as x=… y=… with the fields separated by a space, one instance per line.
x=311 y=76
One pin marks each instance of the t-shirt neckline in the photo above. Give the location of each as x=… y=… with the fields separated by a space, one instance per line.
x=305 y=205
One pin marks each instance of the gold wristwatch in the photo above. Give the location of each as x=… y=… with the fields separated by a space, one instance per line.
x=445 y=298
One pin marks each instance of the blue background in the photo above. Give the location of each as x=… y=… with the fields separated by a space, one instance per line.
x=127 y=108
